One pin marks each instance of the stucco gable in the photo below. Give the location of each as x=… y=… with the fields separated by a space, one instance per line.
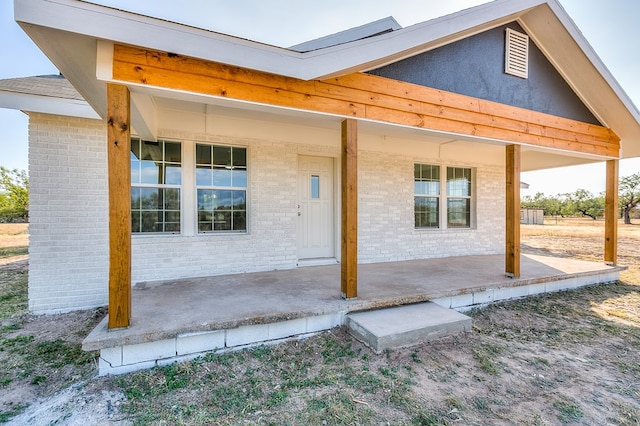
x=474 y=66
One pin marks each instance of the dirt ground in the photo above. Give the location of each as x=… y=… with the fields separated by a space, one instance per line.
x=567 y=358
x=580 y=238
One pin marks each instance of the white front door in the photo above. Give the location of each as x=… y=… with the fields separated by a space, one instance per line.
x=315 y=208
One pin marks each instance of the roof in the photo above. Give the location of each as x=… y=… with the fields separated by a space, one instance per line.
x=372 y=29
x=50 y=94
x=55 y=86
x=68 y=31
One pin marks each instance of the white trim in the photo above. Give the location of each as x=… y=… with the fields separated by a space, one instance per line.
x=592 y=56
x=143 y=116
x=47 y=105
x=189 y=212
x=104 y=60
x=104 y=23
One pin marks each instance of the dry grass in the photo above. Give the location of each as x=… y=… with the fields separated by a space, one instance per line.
x=14 y=241
x=14 y=234
x=583 y=239
x=565 y=358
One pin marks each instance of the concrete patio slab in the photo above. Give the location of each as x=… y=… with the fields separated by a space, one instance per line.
x=231 y=311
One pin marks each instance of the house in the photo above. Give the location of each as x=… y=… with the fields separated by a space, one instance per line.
x=532 y=216
x=201 y=154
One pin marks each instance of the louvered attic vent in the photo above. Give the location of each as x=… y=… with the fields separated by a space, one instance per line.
x=517 y=54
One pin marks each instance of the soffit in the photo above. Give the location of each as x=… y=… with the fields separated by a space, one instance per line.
x=532 y=158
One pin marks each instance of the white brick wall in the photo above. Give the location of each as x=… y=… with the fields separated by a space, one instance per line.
x=271 y=241
x=69 y=222
x=386 y=218
x=68 y=244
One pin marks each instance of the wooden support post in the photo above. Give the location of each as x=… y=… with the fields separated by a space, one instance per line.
x=512 y=252
x=349 y=246
x=118 y=153
x=611 y=214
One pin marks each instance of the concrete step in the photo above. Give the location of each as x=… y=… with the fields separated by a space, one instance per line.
x=405 y=325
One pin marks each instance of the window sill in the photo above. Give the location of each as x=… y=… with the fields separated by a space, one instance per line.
x=155 y=234
x=444 y=229
x=203 y=234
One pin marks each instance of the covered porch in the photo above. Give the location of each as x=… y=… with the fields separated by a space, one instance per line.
x=233 y=311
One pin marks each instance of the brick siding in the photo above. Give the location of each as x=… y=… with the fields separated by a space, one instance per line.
x=68 y=229
x=69 y=215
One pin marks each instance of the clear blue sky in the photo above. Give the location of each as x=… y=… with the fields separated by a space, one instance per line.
x=610 y=26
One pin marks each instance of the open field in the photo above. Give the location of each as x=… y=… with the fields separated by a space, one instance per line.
x=583 y=239
x=566 y=358
x=14 y=240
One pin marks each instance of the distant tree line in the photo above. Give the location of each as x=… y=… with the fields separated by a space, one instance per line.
x=586 y=204
x=14 y=195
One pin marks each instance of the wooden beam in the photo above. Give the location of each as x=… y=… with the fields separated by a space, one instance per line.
x=611 y=214
x=361 y=95
x=349 y=245
x=512 y=239
x=118 y=153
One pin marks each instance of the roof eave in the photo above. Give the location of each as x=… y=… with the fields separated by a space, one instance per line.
x=88 y=22
x=104 y=23
x=555 y=33
x=46 y=104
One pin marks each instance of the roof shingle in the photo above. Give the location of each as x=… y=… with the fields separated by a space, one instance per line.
x=55 y=86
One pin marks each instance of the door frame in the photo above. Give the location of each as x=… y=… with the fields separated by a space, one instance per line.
x=336 y=212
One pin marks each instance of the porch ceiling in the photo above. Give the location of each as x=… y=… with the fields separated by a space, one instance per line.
x=532 y=158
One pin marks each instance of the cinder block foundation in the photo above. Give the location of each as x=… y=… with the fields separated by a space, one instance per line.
x=128 y=358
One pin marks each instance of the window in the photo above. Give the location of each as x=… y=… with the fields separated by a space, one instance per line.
x=427 y=196
x=429 y=184
x=221 y=183
x=315 y=187
x=156 y=179
x=458 y=197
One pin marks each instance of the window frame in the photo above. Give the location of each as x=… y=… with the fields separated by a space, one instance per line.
x=426 y=194
x=140 y=184
x=213 y=187
x=468 y=197
x=444 y=197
